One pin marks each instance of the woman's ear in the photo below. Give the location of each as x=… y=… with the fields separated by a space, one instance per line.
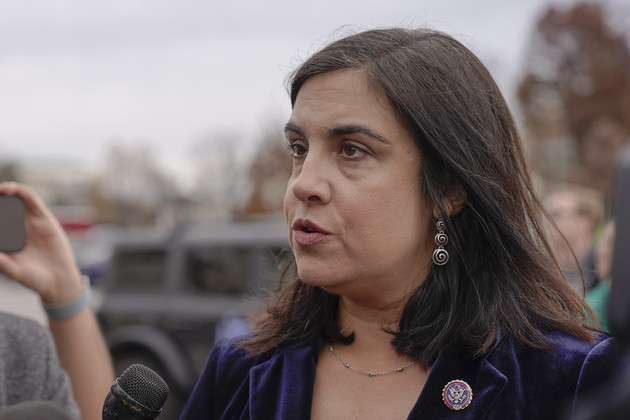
x=455 y=199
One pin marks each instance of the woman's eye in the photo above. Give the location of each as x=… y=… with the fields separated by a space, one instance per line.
x=297 y=150
x=351 y=151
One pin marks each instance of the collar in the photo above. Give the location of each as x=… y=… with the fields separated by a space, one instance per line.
x=282 y=386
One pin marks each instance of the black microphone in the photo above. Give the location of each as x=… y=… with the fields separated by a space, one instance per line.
x=138 y=394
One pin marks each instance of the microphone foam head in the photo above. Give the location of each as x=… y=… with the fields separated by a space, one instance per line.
x=144 y=386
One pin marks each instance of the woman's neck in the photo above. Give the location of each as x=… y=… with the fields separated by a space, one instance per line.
x=371 y=349
x=369 y=325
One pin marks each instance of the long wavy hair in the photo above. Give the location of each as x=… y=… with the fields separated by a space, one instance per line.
x=501 y=278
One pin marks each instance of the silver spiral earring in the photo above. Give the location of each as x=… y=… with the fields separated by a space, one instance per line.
x=440 y=255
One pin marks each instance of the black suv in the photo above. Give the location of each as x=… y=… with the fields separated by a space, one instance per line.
x=168 y=299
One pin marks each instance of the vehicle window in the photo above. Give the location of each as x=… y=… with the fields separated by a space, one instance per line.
x=139 y=268
x=219 y=270
x=231 y=270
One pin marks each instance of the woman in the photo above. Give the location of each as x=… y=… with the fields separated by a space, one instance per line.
x=421 y=283
x=30 y=363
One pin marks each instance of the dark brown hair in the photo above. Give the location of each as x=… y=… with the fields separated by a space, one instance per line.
x=501 y=278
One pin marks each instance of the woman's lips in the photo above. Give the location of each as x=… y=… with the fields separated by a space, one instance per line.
x=308 y=238
x=307 y=233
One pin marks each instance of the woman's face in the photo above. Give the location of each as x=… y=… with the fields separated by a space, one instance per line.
x=604 y=252
x=576 y=224
x=358 y=223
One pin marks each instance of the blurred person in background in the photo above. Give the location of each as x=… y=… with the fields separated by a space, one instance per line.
x=32 y=366
x=421 y=274
x=577 y=213
x=599 y=151
x=597 y=297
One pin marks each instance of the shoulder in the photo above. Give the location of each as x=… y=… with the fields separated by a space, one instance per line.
x=25 y=344
x=541 y=382
x=570 y=366
x=594 y=363
x=570 y=360
x=29 y=367
x=13 y=326
x=585 y=367
x=23 y=338
x=569 y=351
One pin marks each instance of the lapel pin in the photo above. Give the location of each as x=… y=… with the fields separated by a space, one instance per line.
x=457 y=394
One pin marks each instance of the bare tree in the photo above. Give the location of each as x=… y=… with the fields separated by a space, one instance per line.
x=134 y=182
x=221 y=161
x=577 y=71
x=269 y=173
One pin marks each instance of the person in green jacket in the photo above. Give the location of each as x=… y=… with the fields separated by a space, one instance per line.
x=597 y=297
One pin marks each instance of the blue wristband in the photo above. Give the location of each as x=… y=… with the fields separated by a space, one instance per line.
x=72 y=308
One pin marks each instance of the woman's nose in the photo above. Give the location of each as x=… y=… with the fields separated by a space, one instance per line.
x=312 y=183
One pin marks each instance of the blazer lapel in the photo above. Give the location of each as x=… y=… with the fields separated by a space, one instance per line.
x=282 y=387
x=485 y=380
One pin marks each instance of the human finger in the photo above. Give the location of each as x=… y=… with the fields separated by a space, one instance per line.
x=32 y=202
x=9 y=267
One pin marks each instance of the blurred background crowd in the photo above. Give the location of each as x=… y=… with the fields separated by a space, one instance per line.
x=128 y=197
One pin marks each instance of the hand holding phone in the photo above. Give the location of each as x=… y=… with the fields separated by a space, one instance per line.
x=12 y=229
x=46 y=263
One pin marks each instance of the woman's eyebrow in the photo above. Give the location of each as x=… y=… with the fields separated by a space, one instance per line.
x=352 y=129
x=340 y=131
x=292 y=127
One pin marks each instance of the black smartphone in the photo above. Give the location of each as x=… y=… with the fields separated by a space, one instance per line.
x=12 y=229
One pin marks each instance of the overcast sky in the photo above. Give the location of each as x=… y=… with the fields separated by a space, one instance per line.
x=76 y=75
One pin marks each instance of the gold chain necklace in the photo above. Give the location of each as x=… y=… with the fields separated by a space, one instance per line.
x=368 y=373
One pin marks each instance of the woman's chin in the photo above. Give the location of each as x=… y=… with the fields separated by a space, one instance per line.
x=313 y=280
x=317 y=277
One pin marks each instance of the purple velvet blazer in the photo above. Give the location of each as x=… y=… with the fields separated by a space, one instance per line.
x=508 y=383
